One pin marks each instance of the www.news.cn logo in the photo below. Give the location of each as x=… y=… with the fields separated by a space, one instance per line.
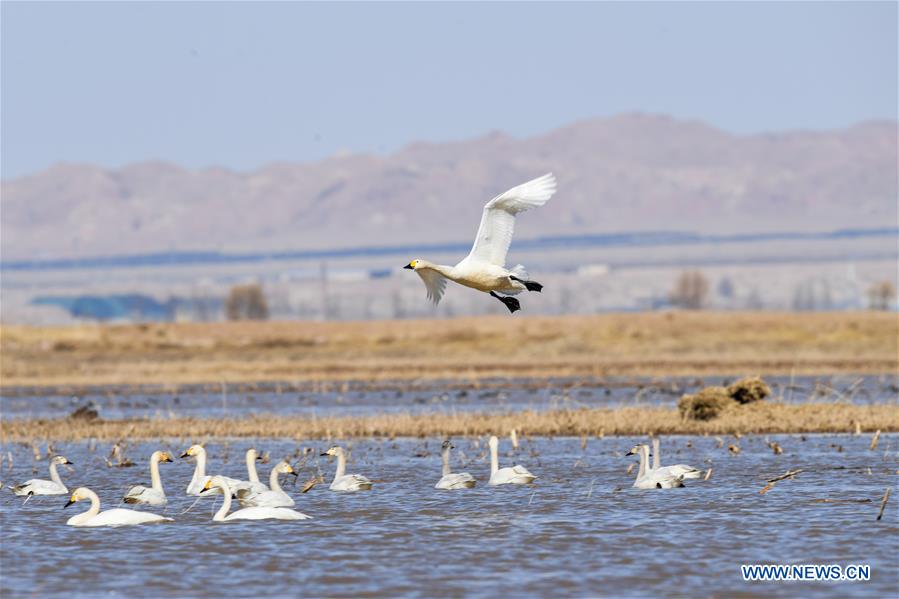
x=772 y=572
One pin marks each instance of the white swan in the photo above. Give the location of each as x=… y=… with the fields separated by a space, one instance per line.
x=682 y=470
x=219 y=484
x=155 y=495
x=516 y=475
x=343 y=481
x=459 y=480
x=113 y=517
x=38 y=486
x=274 y=497
x=199 y=479
x=647 y=478
x=484 y=268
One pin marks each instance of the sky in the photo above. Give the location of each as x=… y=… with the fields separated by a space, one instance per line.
x=240 y=85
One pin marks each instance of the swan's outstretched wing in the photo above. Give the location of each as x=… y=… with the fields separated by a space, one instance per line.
x=435 y=283
x=498 y=220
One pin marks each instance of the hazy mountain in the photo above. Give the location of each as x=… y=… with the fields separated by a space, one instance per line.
x=631 y=172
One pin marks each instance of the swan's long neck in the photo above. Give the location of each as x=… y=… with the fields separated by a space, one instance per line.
x=273 y=483
x=54 y=475
x=446 y=466
x=644 y=458
x=251 y=467
x=656 y=458
x=154 y=473
x=200 y=470
x=95 y=504
x=341 y=465
x=494 y=459
x=226 y=503
x=443 y=269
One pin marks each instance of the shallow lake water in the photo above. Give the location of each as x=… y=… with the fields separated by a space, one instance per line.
x=499 y=395
x=579 y=530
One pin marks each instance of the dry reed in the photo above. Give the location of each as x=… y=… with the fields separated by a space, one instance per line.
x=754 y=418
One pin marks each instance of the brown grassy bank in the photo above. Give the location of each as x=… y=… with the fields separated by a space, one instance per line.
x=757 y=418
x=650 y=344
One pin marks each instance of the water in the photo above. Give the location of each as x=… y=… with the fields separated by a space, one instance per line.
x=495 y=396
x=579 y=530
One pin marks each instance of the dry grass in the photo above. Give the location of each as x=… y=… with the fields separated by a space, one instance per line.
x=649 y=344
x=754 y=418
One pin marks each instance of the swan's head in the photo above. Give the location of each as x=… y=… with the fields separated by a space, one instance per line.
x=447 y=445
x=493 y=442
x=252 y=454
x=77 y=495
x=284 y=468
x=413 y=264
x=162 y=456
x=59 y=459
x=334 y=451
x=214 y=485
x=193 y=450
x=636 y=449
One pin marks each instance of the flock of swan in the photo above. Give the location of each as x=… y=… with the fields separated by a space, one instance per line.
x=259 y=501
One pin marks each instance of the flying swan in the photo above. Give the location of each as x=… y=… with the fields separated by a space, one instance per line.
x=450 y=480
x=154 y=495
x=516 y=475
x=219 y=484
x=39 y=486
x=484 y=268
x=113 y=517
x=343 y=481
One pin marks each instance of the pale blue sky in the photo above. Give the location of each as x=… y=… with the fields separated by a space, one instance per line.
x=243 y=84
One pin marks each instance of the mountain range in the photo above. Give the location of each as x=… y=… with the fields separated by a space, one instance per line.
x=632 y=172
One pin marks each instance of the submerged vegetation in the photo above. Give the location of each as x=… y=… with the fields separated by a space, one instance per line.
x=761 y=417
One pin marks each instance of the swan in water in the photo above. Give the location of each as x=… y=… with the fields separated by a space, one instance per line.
x=113 y=517
x=219 y=484
x=516 y=475
x=195 y=487
x=343 y=481
x=681 y=470
x=154 y=495
x=38 y=486
x=274 y=497
x=460 y=480
x=484 y=268
x=647 y=478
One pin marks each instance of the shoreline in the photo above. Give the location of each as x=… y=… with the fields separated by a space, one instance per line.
x=758 y=418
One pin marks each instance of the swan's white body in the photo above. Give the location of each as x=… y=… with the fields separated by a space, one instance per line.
x=274 y=497
x=155 y=495
x=219 y=484
x=113 y=517
x=343 y=481
x=450 y=480
x=647 y=478
x=682 y=470
x=515 y=475
x=39 y=486
x=199 y=479
x=484 y=268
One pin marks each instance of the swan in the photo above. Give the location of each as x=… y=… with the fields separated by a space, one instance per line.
x=113 y=517
x=647 y=478
x=38 y=486
x=219 y=484
x=682 y=470
x=252 y=484
x=484 y=268
x=460 y=480
x=516 y=475
x=195 y=487
x=155 y=494
x=342 y=481
x=276 y=497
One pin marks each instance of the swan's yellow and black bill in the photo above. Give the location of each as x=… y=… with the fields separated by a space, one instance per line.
x=71 y=500
x=185 y=455
x=409 y=266
x=324 y=454
x=208 y=485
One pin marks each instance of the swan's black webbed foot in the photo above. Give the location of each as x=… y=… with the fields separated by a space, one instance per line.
x=511 y=303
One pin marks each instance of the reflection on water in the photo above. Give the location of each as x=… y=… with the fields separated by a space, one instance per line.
x=580 y=530
x=497 y=396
